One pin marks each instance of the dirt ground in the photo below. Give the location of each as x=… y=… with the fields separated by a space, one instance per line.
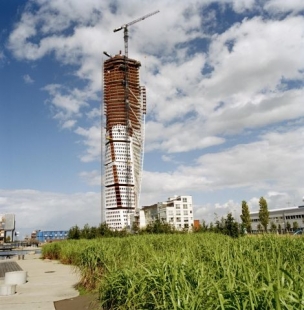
x=82 y=302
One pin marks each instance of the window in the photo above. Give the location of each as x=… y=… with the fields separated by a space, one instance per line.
x=184 y=199
x=185 y=212
x=177 y=206
x=185 y=206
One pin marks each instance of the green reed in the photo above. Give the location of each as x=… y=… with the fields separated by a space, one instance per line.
x=191 y=271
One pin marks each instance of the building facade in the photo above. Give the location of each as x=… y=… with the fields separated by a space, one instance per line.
x=286 y=219
x=177 y=211
x=125 y=108
x=50 y=235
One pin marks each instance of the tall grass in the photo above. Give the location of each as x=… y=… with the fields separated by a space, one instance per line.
x=194 y=271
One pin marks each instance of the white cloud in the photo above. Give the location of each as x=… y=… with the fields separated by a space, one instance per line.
x=179 y=137
x=240 y=6
x=259 y=57
x=27 y=79
x=68 y=124
x=274 y=163
x=67 y=102
x=50 y=211
x=92 y=178
x=94 y=113
x=261 y=165
x=244 y=90
x=281 y=6
x=92 y=140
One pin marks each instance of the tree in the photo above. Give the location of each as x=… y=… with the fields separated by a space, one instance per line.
x=231 y=227
x=288 y=226
x=159 y=227
x=103 y=230
x=263 y=213
x=295 y=226
x=85 y=232
x=220 y=225
x=259 y=227
x=273 y=227
x=135 y=228
x=74 y=233
x=204 y=226
x=245 y=216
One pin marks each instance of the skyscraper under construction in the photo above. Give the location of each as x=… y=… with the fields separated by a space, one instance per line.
x=125 y=109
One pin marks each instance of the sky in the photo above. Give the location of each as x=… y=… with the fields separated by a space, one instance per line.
x=225 y=113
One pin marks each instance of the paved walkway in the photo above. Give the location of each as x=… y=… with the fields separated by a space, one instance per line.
x=48 y=281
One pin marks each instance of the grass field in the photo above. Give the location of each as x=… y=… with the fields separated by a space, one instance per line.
x=191 y=271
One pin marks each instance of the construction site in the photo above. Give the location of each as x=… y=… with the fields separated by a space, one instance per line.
x=124 y=109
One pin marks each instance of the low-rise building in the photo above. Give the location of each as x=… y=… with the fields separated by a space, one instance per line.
x=50 y=235
x=288 y=219
x=176 y=211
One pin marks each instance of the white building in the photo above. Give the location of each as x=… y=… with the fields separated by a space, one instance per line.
x=280 y=217
x=176 y=211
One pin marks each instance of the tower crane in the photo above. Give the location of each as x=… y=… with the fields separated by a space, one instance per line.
x=125 y=28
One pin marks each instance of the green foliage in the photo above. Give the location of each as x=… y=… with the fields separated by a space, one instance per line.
x=273 y=227
x=245 y=216
x=158 y=227
x=74 y=232
x=226 y=226
x=88 y=232
x=231 y=227
x=263 y=213
x=295 y=226
x=189 y=271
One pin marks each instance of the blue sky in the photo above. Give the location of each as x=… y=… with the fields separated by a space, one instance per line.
x=225 y=111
